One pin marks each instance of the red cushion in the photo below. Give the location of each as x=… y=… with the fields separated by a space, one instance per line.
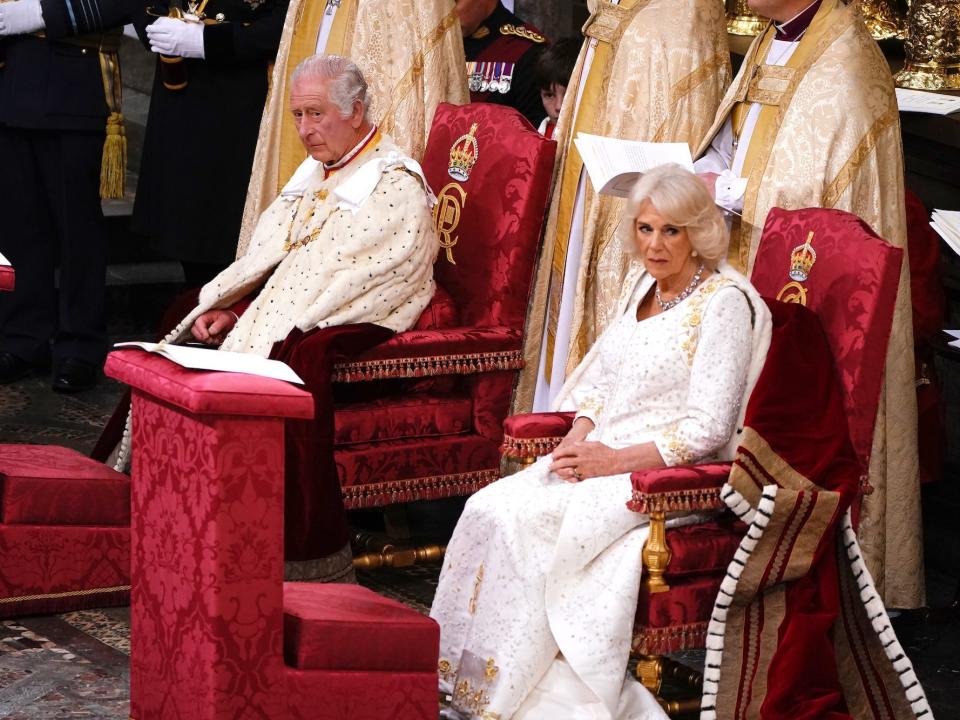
x=49 y=485
x=440 y=313
x=530 y=426
x=703 y=548
x=347 y=627
x=407 y=417
x=676 y=620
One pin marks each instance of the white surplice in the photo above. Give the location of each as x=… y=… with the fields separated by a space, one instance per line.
x=541 y=578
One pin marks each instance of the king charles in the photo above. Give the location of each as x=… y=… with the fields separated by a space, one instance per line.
x=341 y=260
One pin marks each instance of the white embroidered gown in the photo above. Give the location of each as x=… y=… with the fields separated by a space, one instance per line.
x=539 y=587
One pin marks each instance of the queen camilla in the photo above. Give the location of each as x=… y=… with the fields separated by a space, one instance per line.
x=539 y=588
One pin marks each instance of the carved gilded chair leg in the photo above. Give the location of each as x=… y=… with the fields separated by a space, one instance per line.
x=656 y=554
x=650 y=672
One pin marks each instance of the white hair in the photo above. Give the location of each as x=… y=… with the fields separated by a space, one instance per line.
x=346 y=84
x=682 y=199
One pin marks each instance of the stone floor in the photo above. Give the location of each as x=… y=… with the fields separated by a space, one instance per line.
x=77 y=666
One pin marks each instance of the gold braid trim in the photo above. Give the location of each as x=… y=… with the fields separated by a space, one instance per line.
x=676 y=501
x=66 y=594
x=660 y=641
x=430 y=366
x=866 y=148
x=522 y=448
x=396 y=491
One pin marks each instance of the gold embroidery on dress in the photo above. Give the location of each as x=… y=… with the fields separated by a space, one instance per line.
x=475 y=679
x=476 y=590
x=445 y=670
x=678 y=446
x=690 y=326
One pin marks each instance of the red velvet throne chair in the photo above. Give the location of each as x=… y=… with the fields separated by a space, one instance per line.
x=420 y=416
x=851 y=285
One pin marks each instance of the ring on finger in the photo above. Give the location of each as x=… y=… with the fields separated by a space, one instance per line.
x=577 y=474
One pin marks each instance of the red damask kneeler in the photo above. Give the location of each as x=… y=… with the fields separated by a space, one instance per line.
x=64 y=532
x=206 y=611
x=210 y=623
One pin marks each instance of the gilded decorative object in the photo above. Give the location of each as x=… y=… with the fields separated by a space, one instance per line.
x=882 y=19
x=741 y=20
x=932 y=46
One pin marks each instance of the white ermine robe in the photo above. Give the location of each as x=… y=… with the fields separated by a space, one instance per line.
x=540 y=583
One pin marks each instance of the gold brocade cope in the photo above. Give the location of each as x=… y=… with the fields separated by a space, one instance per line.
x=932 y=46
x=834 y=141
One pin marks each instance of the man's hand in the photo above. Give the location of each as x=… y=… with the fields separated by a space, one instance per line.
x=582 y=459
x=710 y=180
x=212 y=327
x=20 y=17
x=179 y=38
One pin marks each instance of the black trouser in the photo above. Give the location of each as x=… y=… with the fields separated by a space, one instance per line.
x=50 y=212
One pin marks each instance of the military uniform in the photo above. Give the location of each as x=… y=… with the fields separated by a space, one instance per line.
x=200 y=140
x=53 y=113
x=501 y=55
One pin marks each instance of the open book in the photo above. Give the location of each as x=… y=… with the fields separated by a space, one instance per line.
x=927 y=102
x=947 y=225
x=197 y=358
x=6 y=274
x=614 y=165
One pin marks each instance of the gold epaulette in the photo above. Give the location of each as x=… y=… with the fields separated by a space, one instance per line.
x=522 y=32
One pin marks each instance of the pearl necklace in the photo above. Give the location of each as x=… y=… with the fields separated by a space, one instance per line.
x=682 y=296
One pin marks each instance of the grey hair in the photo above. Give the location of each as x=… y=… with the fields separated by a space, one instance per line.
x=346 y=82
x=682 y=199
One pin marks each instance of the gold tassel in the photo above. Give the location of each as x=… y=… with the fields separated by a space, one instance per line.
x=113 y=167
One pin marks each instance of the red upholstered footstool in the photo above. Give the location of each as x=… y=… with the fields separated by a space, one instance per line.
x=354 y=655
x=64 y=531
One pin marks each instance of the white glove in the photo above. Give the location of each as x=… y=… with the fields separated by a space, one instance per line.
x=20 y=17
x=169 y=36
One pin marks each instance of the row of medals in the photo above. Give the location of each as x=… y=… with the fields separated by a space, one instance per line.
x=490 y=76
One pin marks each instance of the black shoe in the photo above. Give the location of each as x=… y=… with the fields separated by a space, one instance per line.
x=12 y=368
x=74 y=376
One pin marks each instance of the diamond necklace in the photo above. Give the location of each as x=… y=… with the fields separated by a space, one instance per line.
x=682 y=296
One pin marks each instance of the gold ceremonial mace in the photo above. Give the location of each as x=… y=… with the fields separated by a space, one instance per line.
x=932 y=46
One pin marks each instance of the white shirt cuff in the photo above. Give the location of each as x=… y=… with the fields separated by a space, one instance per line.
x=730 y=190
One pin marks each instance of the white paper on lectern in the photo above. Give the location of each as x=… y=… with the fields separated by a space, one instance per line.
x=197 y=358
x=926 y=102
x=614 y=165
x=4 y=261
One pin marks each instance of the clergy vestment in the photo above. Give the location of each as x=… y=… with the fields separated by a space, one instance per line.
x=652 y=70
x=812 y=121
x=411 y=55
x=338 y=262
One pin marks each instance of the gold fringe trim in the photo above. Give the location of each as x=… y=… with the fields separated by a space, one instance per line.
x=66 y=594
x=522 y=448
x=397 y=491
x=676 y=501
x=660 y=641
x=419 y=367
